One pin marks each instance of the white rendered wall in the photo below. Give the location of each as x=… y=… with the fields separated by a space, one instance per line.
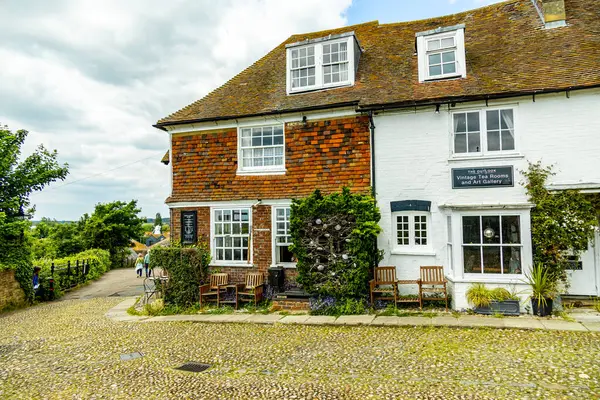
x=413 y=161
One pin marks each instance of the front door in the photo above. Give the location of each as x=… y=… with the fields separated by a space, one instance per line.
x=583 y=276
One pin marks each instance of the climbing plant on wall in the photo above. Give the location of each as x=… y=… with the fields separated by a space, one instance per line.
x=562 y=222
x=335 y=239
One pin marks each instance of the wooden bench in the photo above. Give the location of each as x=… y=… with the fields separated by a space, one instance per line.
x=214 y=288
x=383 y=285
x=433 y=281
x=252 y=290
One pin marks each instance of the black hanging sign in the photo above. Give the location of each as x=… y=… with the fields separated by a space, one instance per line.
x=482 y=177
x=189 y=227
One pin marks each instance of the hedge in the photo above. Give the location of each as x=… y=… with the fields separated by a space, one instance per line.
x=187 y=269
x=99 y=261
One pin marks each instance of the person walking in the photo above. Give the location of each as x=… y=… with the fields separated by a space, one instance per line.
x=139 y=265
x=147 y=264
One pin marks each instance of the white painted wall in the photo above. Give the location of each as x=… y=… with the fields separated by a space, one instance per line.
x=413 y=161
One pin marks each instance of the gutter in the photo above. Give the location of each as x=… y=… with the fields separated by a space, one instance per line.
x=462 y=99
x=372 y=145
x=162 y=126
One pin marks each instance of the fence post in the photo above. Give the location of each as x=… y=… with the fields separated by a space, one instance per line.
x=77 y=272
x=69 y=272
x=52 y=269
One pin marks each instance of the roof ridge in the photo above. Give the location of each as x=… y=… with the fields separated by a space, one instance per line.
x=424 y=20
x=374 y=22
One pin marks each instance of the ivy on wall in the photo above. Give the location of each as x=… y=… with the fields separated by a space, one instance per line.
x=562 y=222
x=335 y=238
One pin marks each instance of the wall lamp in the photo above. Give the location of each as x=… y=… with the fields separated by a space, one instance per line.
x=437 y=108
x=304 y=121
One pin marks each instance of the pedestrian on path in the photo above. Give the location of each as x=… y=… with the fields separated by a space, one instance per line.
x=139 y=265
x=147 y=264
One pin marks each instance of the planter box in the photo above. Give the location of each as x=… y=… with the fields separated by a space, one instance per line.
x=506 y=307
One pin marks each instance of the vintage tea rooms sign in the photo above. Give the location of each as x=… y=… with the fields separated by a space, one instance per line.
x=188 y=227
x=482 y=177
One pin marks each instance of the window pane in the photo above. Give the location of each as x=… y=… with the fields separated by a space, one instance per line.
x=508 y=140
x=491 y=229
x=493 y=139
x=448 y=56
x=448 y=42
x=460 y=143
x=218 y=229
x=435 y=58
x=435 y=70
x=491 y=260
x=507 y=119
x=512 y=259
x=219 y=254
x=449 y=68
x=235 y=229
x=226 y=229
x=511 y=230
x=227 y=255
x=219 y=242
x=267 y=140
x=472 y=259
x=237 y=255
x=433 y=44
x=311 y=60
x=471 y=230
x=460 y=122
x=473 y=122
x=474 y=145
x=311 y=50
x=493 y=120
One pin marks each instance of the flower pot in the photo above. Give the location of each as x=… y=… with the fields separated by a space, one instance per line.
x=540 y=309
x=505 y=307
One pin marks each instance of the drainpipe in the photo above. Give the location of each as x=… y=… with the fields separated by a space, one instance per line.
x=372 y=137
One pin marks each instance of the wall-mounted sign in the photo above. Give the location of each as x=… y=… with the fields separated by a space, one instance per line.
x=189 y=225
x=482 y=177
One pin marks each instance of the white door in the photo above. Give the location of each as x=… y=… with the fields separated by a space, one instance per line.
x=584 y=275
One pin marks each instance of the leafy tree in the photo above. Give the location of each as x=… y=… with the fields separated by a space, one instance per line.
x=111 y=227
x=18 y=179
x=561 y=222
x=158 y=220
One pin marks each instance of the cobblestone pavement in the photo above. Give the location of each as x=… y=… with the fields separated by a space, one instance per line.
x=71 y=350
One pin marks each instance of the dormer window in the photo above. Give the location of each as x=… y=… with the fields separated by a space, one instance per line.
x=441 y=53
x=322 y=63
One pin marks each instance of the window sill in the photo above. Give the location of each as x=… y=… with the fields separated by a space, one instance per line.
x=261 y=172
x=443 y=77
x=231 y=264
x=412 y=252
x=503 y=156
x=284 y=265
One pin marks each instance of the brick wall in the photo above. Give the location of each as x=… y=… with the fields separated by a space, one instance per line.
x=325 y=154
x=10 y=290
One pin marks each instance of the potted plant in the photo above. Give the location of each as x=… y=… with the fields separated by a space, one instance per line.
x=543 y=290
x=498 y=300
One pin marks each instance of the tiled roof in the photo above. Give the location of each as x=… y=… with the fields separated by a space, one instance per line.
x=508 y=51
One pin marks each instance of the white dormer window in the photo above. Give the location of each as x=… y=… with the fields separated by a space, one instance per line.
x=322 y=63
x=441 y=53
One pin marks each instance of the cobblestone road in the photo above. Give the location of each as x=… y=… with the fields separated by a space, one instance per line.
x=70 y=350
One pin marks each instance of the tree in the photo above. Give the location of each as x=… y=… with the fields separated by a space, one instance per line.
x=562 y=222
x=18 y=179
x=111 y=227
x=158 y=220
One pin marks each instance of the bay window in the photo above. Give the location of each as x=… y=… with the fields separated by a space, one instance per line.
x=492 y=244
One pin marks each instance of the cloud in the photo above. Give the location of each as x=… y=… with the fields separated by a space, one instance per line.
x=89 y=78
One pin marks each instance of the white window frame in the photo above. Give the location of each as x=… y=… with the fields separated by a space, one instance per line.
x=411 y=247
x=274 y=245
x=261 y=170
x=319 y=70
x=522 y=245
x=458 y=34
x=483 y=140
x=242 y=263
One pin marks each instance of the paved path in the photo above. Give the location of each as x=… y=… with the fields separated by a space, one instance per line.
x=121 y=282
x=119 y=313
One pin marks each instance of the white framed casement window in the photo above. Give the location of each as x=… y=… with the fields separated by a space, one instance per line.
x=411 y=231
x=322 y=63
x=481 y=132
x=281 y=237
x=441 y=53
x=230 y=231
x=492 y=244
x=261 y=149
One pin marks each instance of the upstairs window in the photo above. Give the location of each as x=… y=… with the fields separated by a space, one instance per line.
x=261 y=149
x=483 y=131
x=441 y=53
x=322 y=63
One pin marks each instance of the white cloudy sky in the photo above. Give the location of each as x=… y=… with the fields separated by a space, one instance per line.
x=89 y=78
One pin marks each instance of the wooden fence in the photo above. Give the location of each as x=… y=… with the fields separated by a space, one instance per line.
x=67 y=275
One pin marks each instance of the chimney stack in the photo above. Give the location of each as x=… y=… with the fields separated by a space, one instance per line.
x=552 y=12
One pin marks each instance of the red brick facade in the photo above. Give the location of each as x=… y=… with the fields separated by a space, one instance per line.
x=325 y=155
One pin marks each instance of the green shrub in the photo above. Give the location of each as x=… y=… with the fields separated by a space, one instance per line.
x=99 y=262
x=478 y=295
x=335 y=243
x=187 y=269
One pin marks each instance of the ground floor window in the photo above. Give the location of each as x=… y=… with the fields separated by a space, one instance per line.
x=411 y=229
x=492 y=244
x=231 y=228
x=282 y=236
